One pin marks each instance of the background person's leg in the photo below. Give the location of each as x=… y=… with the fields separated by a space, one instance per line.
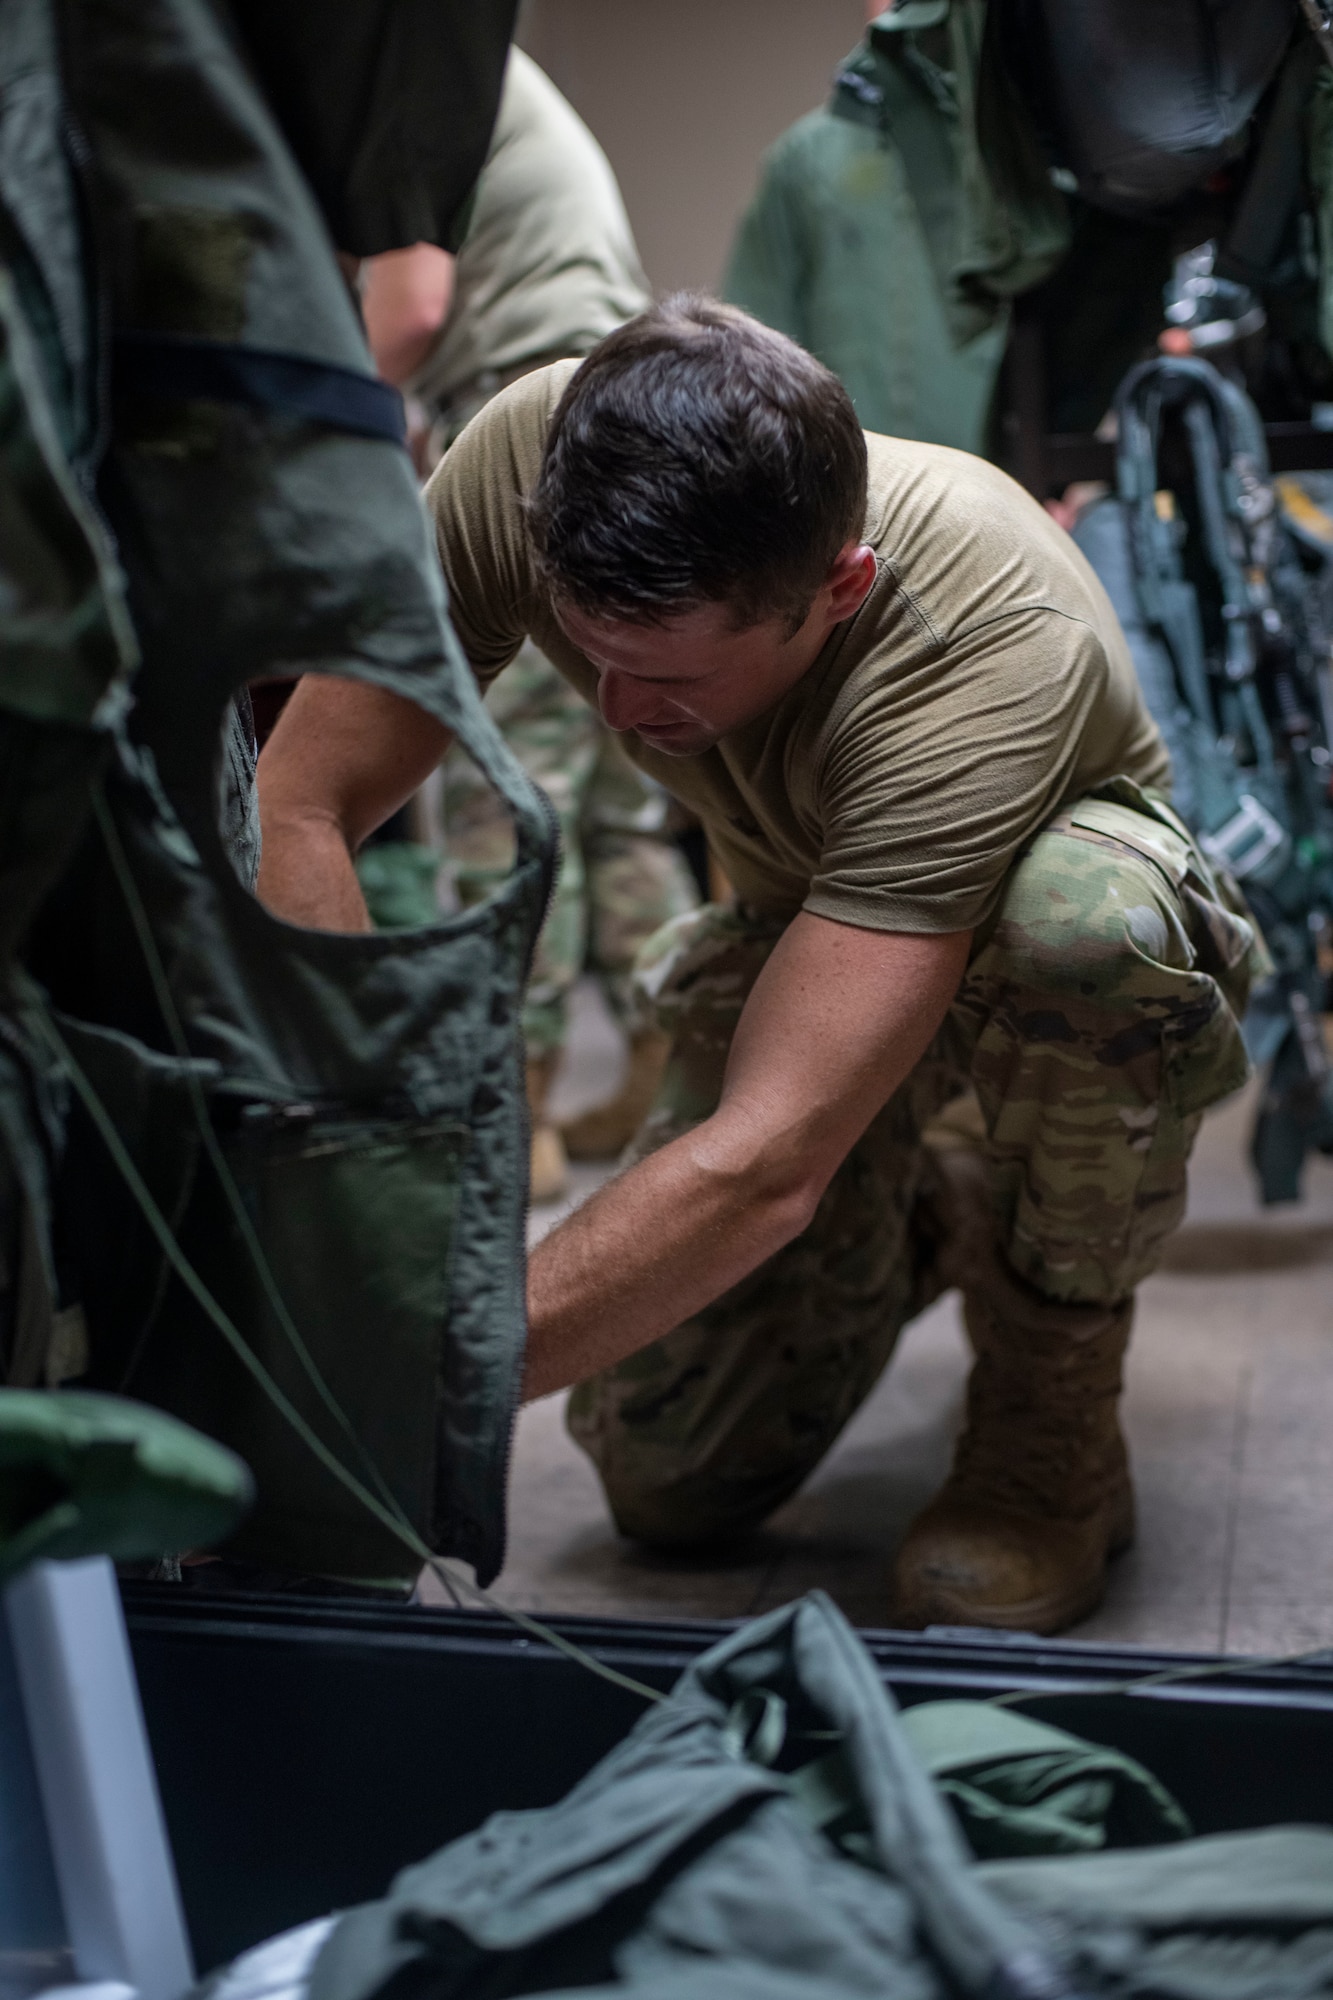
x=706 y=1432
x=555 y=736
x=637 y=880
x=1099 y=1035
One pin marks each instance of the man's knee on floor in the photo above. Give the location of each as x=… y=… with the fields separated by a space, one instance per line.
x=691 y=1514
x=679 y=1471
x=669 y=1505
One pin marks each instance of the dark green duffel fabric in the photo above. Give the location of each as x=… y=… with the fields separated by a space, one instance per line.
x=239 y=493
x=770 y=1829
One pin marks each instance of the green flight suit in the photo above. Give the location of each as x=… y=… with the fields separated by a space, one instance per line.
x=237 y=505
x=887 y=242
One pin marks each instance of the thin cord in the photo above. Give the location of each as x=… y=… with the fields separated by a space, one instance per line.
x=1166 y=1677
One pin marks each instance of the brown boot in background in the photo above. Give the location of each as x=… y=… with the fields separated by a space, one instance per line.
x=1039 y=1498
x=548 y=1169
x=604 y=1132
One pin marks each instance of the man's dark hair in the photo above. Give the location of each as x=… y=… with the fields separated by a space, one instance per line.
x=698 y=458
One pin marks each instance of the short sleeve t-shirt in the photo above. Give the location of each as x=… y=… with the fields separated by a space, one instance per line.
x=983 y=684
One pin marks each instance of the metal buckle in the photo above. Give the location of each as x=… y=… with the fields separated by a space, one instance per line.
x=1249 y=842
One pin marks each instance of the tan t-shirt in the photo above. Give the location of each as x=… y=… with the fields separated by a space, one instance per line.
x=983 y=684
x=549 y=264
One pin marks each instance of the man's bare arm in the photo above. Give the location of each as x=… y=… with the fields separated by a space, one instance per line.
x=834 y=1024
x=342 y=757
x=405 y=300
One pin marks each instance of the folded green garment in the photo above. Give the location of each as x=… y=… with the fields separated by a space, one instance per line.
x=1022 y=1787
x=1236 y=1916
x=777 y=1830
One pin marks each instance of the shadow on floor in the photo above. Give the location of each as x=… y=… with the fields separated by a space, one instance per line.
x=1214 y=1249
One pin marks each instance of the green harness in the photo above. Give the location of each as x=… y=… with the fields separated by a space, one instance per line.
x=1221 y=605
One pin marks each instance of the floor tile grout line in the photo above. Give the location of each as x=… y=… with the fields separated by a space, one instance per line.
x=1240 y=1427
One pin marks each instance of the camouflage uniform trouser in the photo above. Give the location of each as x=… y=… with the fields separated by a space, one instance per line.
x=1096 y=1021
x=621 y=876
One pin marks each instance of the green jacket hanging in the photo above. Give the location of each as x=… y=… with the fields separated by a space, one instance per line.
x=893 y=229
x=237 y=507
x=889 y=240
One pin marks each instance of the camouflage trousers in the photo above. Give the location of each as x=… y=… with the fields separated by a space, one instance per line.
x=1097 y=1019
x=621 y=876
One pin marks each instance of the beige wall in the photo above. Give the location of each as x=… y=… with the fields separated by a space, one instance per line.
x=685 y=95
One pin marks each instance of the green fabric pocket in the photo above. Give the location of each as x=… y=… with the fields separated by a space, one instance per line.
x=356 y=1221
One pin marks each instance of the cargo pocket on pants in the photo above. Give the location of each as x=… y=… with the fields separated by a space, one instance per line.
x=1203 y=1053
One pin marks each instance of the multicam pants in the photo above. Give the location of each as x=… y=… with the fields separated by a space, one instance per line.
x=621 y=877
x=1097 y=1019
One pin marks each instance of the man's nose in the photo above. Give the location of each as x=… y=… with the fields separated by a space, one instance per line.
x=621 y=703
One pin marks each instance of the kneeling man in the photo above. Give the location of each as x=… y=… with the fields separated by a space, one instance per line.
x=974 y=992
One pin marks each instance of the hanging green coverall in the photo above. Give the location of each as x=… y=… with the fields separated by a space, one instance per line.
x=203 y=483
x=894 y=228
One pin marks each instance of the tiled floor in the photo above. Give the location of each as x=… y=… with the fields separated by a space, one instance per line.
x=1229 y=1411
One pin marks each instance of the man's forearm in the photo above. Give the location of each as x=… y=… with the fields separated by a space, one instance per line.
x=654 y=1246
x=835 y=1021
x=307 y=875
x=343 y=756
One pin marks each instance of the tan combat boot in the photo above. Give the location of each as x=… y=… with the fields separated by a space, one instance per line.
x=548 y=1169
x=604 y=1132
x=1039 y=1498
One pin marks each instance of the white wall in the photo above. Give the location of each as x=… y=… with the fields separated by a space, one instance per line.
x=685 y=95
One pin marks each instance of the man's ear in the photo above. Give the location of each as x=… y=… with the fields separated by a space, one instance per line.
x=849 y=579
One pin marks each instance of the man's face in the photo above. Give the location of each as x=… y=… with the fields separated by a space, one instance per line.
x=685 y=683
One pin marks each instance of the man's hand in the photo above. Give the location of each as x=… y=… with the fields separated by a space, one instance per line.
x=835 y=1022
x=342 y=757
